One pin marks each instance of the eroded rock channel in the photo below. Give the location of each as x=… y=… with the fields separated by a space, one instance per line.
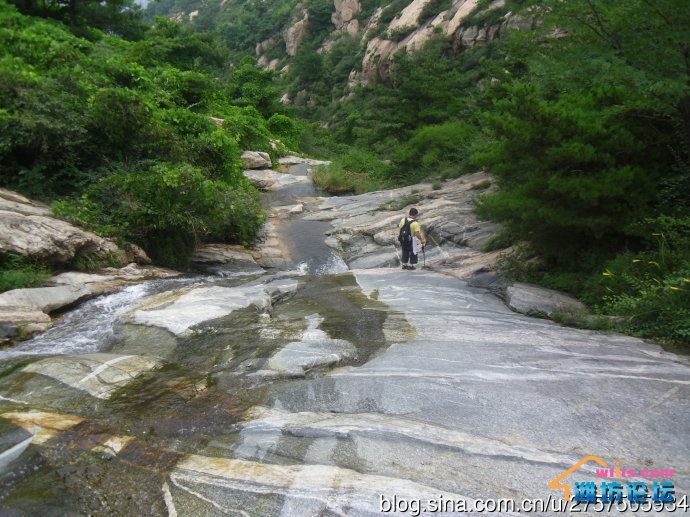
x=279 y=382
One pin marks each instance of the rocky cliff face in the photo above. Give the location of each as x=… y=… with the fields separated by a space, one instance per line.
x=381 y=32
x=408 y=31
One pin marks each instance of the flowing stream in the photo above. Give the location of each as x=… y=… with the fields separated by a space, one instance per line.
x=189 y=391
x=312 y=390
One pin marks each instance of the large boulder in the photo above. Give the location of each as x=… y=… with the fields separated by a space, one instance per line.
x=181 y=310
x=256 y=160
x=364 y=228
x=21 y=322
x=271 y=180
x=27 y=228
x=343 y=16
x=534 y=300
x=261 y=179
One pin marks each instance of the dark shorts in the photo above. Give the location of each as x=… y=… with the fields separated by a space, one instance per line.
x=408 y=256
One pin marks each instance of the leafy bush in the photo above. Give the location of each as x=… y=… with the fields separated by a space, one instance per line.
x=432 y=9
x=437 y=147
x=124 y=132
x=17 y=272
x=165 y=206
x=286 y=129
x=581 y=160
x=355 y=172
x=653 y=286
x=401 y=33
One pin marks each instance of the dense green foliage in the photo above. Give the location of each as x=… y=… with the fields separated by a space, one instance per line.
x=17 y=272
x=588 y=135
x=585 y=122
x=354 y=171
x=88 y=17
x=122 y=131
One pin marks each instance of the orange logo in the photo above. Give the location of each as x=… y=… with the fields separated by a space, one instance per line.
x=566 y=488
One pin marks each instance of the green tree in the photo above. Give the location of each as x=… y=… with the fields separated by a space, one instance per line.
x=583 y=142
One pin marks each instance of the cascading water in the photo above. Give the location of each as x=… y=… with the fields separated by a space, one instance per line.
x=137 y=379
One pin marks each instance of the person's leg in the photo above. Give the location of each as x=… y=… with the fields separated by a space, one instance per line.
x=414 y=259
x=406 y=252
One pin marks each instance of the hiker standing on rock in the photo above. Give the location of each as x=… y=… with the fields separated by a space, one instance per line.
x=411 y=239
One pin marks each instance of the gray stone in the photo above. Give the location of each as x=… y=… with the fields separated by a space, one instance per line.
x=24 y=312
x=376 y=260
x=473 y=384
x=22 y=322
x=97 y=374
x=14 y=202
x=313 y=350
x=295 y=33
x=48 y=239
x=366 y=226
x=137 y=255
x=180 y=310
x=224 y=254
x=256 y=160
x=296 y=160
x=27 y=228
x=532 y=299
x=45 y=299
x=272 y=180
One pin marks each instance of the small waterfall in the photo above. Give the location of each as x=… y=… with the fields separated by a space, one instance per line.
x=88 y=328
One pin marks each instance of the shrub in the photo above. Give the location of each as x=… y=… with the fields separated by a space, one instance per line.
x=167 y=209
x=401 y=33
x=336 y=180
x=286 y=129
x=17 y=272
x=431 y=9
x=436 y=147
x=355 y=171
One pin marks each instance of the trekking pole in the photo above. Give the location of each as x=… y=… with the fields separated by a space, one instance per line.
x=443 y=252
x=424 y=254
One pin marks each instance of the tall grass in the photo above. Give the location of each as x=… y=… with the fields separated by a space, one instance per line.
x=18 y=272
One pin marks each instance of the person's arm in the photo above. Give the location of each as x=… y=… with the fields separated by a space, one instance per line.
x=420 y=235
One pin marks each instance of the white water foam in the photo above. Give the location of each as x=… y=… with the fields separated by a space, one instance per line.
x=86 y=329
x=90 y=327
x=335 y=264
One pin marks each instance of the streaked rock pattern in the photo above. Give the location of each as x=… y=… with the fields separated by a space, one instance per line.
x=312 y=393
x=28 y=228
x=97 y=374
x=465 y=399
x=25 y=312
x=364 y=227
x=178 y=311
x=271 y=180
x=314 y=349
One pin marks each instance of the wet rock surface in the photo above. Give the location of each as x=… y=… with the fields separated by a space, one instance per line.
x=314 y=349
x=24 y=312
x=306 y=389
